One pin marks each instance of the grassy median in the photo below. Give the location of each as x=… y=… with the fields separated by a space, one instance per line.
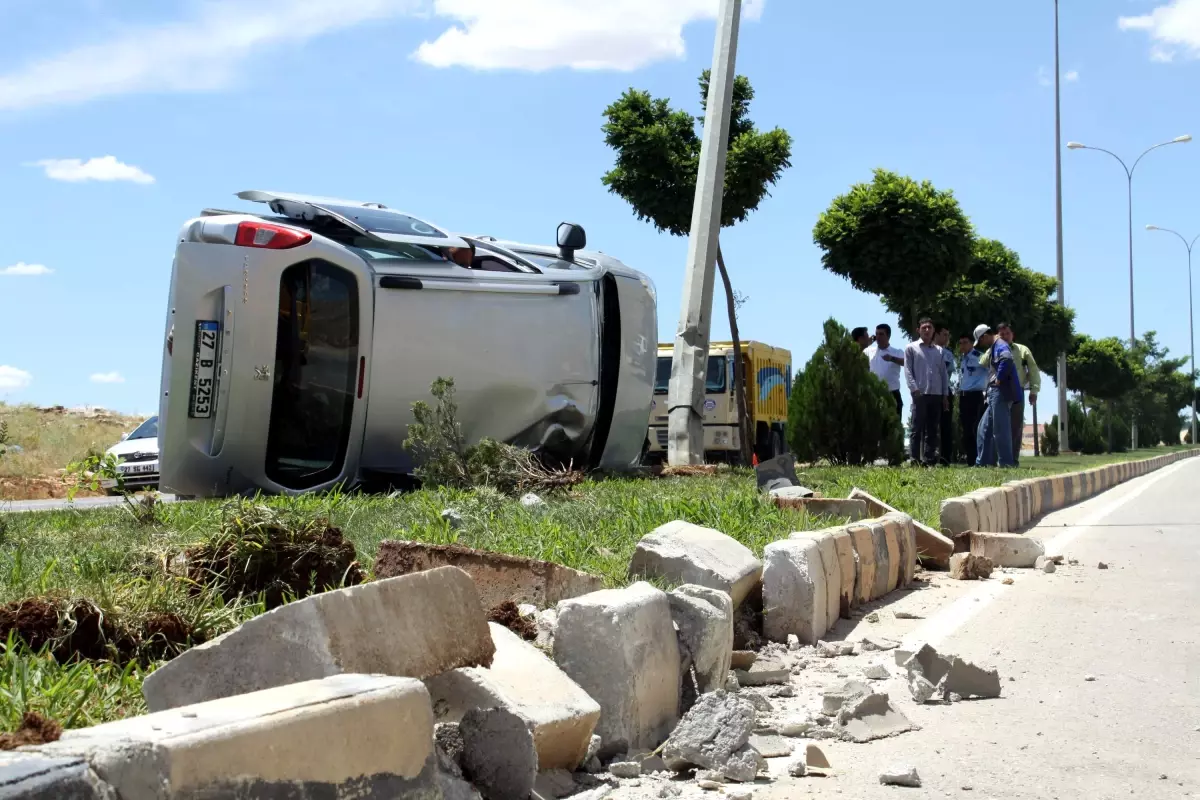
x=121 y=561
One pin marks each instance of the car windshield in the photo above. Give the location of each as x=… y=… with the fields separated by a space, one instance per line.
x=147 y=430
x=714 y=381
x=384 y=220
x=551 y=262
x=379 y=251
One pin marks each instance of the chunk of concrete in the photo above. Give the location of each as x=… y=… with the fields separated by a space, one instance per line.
x=559 y=714
x=927 y=671
x=763 y=672
x=959 y=515
x=827 y=546
x=878 y=643
x=344 y=736
x=871 y=717
x=742 y=659
x=715 y=735
x=1007 y=549
x=499 y=756
x=681 y=552
x=850 y=692
x=29 y=776
x=704 y=618
x=499 y=577
x=620 y=646
x=834 y=649
x=795 y=599
x=901 y=776
x=413 y=626
x=815 y=758
x=970 y=567
x=876 y=672
x=1045 y=564
x=771 y=745
x=967 y=680
x=851 y=510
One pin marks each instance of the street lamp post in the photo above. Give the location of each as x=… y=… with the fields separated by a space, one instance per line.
x=1061 y=377
x=1191 y=323
x=1129 y=183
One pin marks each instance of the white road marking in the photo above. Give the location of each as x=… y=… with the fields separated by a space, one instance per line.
x=947 y=621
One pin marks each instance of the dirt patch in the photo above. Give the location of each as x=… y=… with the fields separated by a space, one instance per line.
x=165 y=635
x=16 y=487
x=275 y=558
x=508 y=615
x=35 y=729
x=78 y=629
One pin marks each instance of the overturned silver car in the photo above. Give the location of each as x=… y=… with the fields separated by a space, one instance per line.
x=297 y=342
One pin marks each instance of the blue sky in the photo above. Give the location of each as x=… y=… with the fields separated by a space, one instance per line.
x=120 y=119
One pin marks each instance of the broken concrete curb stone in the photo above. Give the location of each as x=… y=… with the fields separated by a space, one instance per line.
x=681 y=552
x=794 y=592
x=901 y=776
x=499 y=756
x=970 y=567
x=872 y=717
x=763 y=673
x=522 y=679
x=620 y=646
x=967 y=680
x=715 y=735
x=704 y=618
x=1007 y=549
x=413 y=626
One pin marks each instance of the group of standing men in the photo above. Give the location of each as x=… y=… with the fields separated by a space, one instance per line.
x=988 y=379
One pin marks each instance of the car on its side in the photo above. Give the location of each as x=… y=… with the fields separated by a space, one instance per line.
x=137 y=456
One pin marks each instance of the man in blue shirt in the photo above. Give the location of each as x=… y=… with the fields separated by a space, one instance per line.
x=972 y=384
x=995 y=430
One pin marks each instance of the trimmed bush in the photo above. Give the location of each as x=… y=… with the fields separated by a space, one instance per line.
x=839 y=411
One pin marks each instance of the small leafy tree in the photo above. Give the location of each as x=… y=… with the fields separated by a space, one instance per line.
x=3 y=438
x=839 y=411
x=658 y=160
x=1101 y=369
x=1050 y=441
x=903 y=240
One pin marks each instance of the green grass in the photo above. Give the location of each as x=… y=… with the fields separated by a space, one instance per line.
x=106 y=555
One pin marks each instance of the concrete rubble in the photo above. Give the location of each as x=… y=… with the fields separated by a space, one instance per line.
x=901 y=776
x=681 y=552
x=715 y=735
x=498 y=577
x=1007 y=549
x=970 y=567
x=1045 y=564
x=499 y=756
x=771 y=745
x=872 y=716
x=834 y=649
x=934 y=676
x=413 y=626
x=620 y=646
x=704 y=618
x=872 y=643
x=763 y=673
x=815 y=758
x=876 y=672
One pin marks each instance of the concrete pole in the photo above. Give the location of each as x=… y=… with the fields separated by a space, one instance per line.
x=1061 y=376
x=689 y=364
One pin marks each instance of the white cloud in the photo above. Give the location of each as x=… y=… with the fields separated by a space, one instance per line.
x=1172 y=27
x=21 y=268
x=1072 y=76
x=105 y=168
x=538 y=35
x=200 y=52
x=108 y=377
x=13 y=379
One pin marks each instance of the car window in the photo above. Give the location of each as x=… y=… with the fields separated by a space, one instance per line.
x=492 y=264
x=147 y=430
x=714 y=381
x=550 y=262
x=383 y=220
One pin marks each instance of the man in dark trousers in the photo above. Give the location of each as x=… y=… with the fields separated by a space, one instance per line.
x=942 y=339
x=925 y=372
x=972 y=383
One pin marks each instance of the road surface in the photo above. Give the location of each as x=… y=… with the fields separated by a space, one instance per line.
x=61 y=505
x=1132 y=732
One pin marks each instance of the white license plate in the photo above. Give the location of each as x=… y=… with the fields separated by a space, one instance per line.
x=204 y=370
x=138 y=469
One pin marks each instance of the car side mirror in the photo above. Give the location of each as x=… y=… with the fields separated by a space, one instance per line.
x=571 y=237
x=124 y=436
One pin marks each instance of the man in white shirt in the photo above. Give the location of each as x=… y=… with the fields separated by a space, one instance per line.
x=887 y=363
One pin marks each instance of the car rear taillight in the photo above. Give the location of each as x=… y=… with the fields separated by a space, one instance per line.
x=270 y=237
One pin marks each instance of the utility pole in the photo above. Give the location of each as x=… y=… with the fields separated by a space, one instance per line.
x=1061 y=378
x=689 y=364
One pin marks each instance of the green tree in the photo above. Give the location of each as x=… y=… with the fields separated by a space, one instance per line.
x=658 y=159
x=1101 y=369
x=1163 y=388
x=903 y=240
x=997 y=288
x=839 y=411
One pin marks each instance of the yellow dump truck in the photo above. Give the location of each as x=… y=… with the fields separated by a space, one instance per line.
x=768 y=373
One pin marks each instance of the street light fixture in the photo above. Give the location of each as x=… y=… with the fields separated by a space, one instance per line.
x=1129 y=185
x=1191 y=325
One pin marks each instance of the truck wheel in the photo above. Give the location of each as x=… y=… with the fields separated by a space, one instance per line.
x=777 y=448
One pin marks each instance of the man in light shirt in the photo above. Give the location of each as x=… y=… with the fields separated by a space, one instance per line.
x=942 y=339
x=1030 y=378
x=925 y=371
x=886 y=363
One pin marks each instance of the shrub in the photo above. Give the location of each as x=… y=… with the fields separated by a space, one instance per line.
x=1050 y=443
x=839 y=411
x=1084 y=431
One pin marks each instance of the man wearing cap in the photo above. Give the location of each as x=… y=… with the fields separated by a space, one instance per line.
x=1030 y=378
x=995 y=429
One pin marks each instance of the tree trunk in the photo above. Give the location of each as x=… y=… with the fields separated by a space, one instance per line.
x=1110 y=416
x=739 y=379
x=1037 y=434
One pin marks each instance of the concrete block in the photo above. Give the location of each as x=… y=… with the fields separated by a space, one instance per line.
x=498 y=577
x=883 y=560
x=794 y=591
x=620 y=646
x=850 y=509
x=891 y=532
x=414 y=626
x=344 y=736
x=959 y=515
x=715 y=735
x=864 y=552
x=833 y=572
x=681 y=552
x=29 y=776
x=559 y=714
x=875 y=506
x=1007 y=549
x=848 y=566
x=499 y=755
x=704 y=618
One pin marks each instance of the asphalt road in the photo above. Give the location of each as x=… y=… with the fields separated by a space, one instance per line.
x=62 y=505
x=1132 y=732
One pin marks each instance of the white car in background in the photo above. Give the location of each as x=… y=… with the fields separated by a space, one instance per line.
x=138 y=456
